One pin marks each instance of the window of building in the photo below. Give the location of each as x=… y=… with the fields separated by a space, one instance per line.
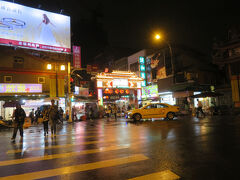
x=134 y=67
x=7 y=79
x=18 y=62
x=41 y=80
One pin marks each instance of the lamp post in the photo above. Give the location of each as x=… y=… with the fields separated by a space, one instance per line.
x=158 y=37
x=62 y=68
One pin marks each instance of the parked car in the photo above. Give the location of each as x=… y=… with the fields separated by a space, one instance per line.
x=158 y=110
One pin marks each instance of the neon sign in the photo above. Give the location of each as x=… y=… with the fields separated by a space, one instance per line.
x=150 y=91
x=120 y=83
x=20 y=88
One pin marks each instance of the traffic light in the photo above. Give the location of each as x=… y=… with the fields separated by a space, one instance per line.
x=72 y=85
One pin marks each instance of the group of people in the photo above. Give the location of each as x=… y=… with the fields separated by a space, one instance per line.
x=114 y=110
x=51 y=115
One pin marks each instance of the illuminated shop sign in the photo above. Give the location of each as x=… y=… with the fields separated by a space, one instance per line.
x=142 y=68
x=116 y=91
x=150 y=91
x=34 y=28
x=20 y=88
x=141 y=60
x=120 y=83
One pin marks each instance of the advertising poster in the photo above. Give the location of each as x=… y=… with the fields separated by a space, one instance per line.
x=34 y=28
x=150 y=91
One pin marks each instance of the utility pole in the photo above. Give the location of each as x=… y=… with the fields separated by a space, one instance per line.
x=69 y=94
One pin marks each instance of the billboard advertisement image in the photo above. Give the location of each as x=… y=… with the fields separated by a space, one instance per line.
x=34 y=28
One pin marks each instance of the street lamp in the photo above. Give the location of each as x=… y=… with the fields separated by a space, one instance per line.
x=159 y=37
x=49 y=66
x=62 y=67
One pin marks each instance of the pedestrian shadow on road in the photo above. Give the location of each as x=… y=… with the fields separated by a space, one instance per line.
x=19 y=150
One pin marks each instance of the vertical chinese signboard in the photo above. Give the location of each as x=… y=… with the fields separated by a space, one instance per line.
x=76 y=57
x=142 y=68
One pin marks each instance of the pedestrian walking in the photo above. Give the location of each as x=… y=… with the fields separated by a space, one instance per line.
x=61 y=114
x=67 y=115
x=53 y=117
x=19 y=116
x=31 y=115
x=108 y=112
x=114 y=111
x=45 y=114
x=37 y=115
x=199 y=108
x=91 y=113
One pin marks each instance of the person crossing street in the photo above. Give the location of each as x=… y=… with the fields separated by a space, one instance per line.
x=45 y=120
x=199 y=108
x=53 y=117
x=19 y=116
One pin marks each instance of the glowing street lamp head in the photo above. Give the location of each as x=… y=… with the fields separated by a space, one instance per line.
x=62 y=67
x=49 y=66
x=157 y=36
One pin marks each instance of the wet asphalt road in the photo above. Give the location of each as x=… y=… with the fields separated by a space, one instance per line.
x=185 y=148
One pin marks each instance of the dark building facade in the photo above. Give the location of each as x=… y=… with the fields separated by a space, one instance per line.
x=226 y=54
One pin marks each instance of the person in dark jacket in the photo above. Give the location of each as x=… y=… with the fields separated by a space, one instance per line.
x=53 y=117
x=45 y=114
x=19 y=116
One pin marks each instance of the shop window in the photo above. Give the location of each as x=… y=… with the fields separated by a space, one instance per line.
x=41 y=80
x=7 y=79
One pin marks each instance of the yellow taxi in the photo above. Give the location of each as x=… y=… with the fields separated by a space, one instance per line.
x=156 y=110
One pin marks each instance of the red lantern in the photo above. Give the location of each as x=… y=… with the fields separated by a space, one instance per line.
x=116 y=91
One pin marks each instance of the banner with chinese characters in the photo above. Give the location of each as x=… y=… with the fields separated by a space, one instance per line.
x=76 y=57
x=20 y=88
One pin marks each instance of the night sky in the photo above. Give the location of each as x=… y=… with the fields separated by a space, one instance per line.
x=130 y=23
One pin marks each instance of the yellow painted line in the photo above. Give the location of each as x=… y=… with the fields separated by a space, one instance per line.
x=51 y=147
x=49 y=135
x=61 y=146
x=163 y=175
x=78 y=168
x=54 y=140
x=63 y=155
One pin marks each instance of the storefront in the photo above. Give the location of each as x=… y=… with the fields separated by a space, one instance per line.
x=119 y=87
x=30 y=96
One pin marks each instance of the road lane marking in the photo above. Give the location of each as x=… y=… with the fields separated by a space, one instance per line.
x=78 y=168
x=63 y=146
x=43 y=141
x=163 y=175
x=36 y=137
x=63 y=155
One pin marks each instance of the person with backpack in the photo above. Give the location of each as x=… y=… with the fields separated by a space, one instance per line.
x=19 y=116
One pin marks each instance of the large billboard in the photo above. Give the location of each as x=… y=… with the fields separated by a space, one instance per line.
x=34 y=28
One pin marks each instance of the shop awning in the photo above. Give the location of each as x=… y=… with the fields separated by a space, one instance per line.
x=207 y=94
x=11 y=104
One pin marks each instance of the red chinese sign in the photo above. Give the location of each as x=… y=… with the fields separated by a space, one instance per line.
x=76 y=57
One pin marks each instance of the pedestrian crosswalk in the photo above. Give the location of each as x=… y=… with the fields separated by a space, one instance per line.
x=118 y=155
